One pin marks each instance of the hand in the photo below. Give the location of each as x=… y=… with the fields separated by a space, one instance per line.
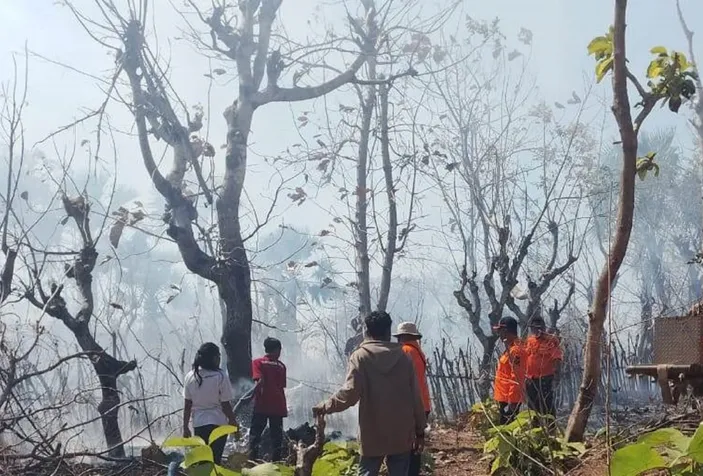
x=419 y=445
x=186 y=432
x=319 y=410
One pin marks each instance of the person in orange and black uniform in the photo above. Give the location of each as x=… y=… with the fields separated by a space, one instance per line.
x=544 y=357
x=409 y=337
x=510 y=373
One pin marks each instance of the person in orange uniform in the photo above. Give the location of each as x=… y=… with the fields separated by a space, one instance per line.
x=510 y=373
x=544 y=357
x=409 y=337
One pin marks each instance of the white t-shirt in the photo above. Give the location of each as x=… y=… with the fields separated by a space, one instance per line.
x=207 y=396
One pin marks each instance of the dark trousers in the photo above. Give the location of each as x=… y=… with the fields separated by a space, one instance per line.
x=397 y=465
x=258 y=425
x=218 y=446
x=508 y=412
x=540 y=395
x=416 y=460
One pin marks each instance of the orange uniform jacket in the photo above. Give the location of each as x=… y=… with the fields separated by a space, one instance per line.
x=543 y=353
x=413 y=350
x=510 y=375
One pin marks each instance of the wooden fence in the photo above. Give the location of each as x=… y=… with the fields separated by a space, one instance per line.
x=454 y=379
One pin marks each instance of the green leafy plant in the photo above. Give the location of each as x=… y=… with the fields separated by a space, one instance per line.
x=666 y=449
x=484 y=416
x=646 y=164
x=523 y=448
x=671 y=76
x=602 y=48
x=338 y=459
x=199 y=459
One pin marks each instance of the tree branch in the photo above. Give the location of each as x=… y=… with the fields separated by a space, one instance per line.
x=275 y=94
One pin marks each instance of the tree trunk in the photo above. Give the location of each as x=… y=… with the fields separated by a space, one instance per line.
x=485 y=367
x=223 y=323
x=109 y=414
x=234 y=282
x=361 y=229
x=392 y=233
x=108 y=369
x=236 y=334
x=578 y=419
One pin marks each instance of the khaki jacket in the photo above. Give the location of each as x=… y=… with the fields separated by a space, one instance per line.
x=382 y=380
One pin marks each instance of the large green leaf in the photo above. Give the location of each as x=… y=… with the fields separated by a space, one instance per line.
x=658 y=50
x=633 y=460
x=666 y=437
x=221 y=431
x=198 y=454
x=695 y=447
x=655 y=69
x=670 y=442
x=600 y=45
x=180 y=442
x=266 y=469
x=220 y=471
x=201 y=469
x=602 y=68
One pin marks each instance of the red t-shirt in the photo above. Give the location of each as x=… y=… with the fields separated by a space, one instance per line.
x=270 y=399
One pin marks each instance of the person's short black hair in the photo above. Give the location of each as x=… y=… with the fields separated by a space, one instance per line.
x=271 y=345
x=378 y=324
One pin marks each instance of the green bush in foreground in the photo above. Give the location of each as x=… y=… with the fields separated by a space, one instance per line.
x=522 y=448
x=336 y=459
x=667 y=449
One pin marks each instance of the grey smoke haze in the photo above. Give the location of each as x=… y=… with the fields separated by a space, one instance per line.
x=167 y=312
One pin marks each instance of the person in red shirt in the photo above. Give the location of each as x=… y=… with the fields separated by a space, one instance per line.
x=270 y=406
x=510 y=373
x=544 y=357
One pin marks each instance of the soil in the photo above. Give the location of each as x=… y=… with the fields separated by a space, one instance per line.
x=458 y=451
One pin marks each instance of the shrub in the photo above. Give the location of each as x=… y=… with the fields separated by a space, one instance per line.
x=667 y=449
x=336 y=459
x=484 y=416
x=521 y=448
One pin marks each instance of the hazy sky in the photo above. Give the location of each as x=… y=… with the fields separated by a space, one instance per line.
x=561 y=28
x=57 y=95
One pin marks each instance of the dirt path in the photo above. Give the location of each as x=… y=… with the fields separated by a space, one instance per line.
x=459 y=452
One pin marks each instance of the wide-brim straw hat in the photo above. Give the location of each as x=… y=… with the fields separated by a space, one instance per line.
x=407 y=329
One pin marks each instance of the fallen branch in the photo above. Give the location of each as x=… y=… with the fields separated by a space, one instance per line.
x=307 y=455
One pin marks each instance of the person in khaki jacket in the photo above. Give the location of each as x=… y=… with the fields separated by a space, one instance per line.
x=381 y=378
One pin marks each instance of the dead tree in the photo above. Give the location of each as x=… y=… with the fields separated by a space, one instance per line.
x=107 y=368
x=497 y=224
x=243 y=36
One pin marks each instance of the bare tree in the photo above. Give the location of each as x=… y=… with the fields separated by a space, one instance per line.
x=14 y=100
x=485 y=122
x=671 y=81
x=369 y=153
x=241 y=34
x=107 y=368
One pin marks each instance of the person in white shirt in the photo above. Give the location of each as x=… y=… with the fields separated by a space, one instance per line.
x=208 y=398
